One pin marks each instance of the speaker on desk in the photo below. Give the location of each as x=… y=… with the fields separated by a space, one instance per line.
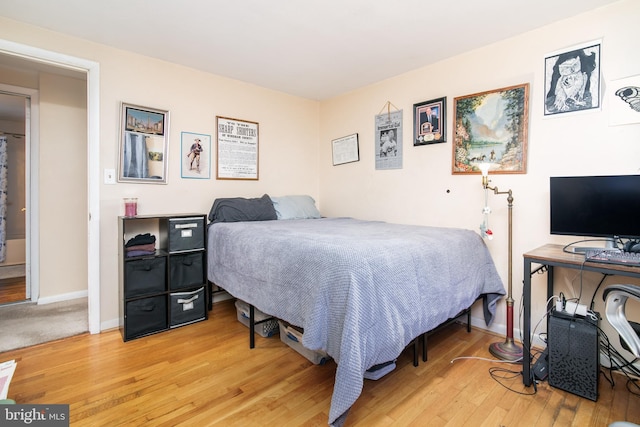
x=574 y=361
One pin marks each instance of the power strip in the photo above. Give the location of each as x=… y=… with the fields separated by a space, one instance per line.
x=571 y=308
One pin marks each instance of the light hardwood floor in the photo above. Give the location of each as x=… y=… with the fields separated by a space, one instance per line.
x=204 y=374
x=12 y=290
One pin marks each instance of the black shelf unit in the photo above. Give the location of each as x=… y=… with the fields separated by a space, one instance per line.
x=166 y=289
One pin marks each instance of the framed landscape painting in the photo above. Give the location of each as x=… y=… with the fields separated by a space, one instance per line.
x=492 y=127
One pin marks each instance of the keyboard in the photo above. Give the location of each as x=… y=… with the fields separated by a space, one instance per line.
x=613 y=256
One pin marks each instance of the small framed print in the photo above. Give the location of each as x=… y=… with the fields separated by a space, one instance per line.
x=196 y=155
x=429 y=122
x=345 y=150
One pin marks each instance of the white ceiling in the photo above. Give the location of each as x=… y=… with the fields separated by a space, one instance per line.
x=313 y=49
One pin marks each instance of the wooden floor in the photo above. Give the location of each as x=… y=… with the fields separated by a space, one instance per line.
x=12 y=290
x=204 y=374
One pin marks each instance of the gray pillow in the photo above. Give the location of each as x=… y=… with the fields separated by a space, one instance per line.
x=235 y=209
x=295 y=207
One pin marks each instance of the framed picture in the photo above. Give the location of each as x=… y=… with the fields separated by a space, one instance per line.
x=388 y=140
x=144 y=145
x=345 y=149
x=572 y=79
x=196 y=155
x=492 y=127
x=429 y=122
x=624 y=101
x=237 y=149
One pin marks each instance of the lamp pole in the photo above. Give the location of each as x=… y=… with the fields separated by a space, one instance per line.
x=507 y=350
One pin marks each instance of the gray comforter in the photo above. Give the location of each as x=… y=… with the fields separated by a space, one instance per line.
x=362 y=290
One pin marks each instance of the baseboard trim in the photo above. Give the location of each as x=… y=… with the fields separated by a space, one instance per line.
x=63 y=297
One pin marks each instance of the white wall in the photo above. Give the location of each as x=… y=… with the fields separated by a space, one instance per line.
x=288 y=137
x=425 y=192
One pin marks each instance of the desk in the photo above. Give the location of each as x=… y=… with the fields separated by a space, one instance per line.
x=553 y=256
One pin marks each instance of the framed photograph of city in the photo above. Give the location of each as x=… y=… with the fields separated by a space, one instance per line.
x=144 y=145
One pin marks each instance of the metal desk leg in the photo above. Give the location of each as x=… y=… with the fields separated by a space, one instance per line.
x=526 y=302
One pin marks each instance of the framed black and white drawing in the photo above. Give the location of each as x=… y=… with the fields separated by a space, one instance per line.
x=572 y=79
x=144 y=145
x=624 y=101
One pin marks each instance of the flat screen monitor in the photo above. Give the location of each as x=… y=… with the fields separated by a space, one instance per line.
x=596 y=206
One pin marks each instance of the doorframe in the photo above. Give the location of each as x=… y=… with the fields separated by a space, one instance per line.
x=92 y=70
x=32 y=147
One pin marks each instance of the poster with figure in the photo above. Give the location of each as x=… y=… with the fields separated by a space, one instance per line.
x=388 y=134
x=196 y=155
x=572 y=79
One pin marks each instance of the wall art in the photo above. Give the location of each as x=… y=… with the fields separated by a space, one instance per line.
x=144 y=145
x=572 y=79
x=492 y=127
x=237 y=154
x=429 y=122
x=196 y=155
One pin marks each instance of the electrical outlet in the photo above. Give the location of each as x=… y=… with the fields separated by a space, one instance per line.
x=109 y=176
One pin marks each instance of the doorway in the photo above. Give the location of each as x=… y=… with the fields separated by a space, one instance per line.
x=14 y=149
x=33 y=58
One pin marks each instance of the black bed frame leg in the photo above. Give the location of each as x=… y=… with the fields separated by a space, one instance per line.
x=415 y=351
x=469 y=320
x=424 y=347
x=252 y=322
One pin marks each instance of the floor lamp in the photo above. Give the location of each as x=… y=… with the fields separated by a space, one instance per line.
x=507 y=350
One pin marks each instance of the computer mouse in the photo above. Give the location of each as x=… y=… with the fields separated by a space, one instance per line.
x=635 y=248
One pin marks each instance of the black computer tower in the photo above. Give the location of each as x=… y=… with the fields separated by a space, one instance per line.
x=574 y=347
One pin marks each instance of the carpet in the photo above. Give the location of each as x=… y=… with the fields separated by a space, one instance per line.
x=27 y=324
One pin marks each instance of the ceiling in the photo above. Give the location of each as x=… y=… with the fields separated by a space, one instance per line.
x=312 y=49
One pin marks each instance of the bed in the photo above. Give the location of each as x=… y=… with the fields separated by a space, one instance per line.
x=361 y=290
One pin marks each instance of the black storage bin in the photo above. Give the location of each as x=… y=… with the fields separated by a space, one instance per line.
x=186 y=270
x=186 y=234
x=188 y=307
x=145 y=276
x=145 y=316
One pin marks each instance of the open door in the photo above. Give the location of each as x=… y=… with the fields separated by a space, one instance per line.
x=14 y=149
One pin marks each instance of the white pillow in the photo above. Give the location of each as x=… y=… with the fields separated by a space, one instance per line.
x=295 y=207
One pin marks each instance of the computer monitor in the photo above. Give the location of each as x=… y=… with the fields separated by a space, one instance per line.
x=596 y=206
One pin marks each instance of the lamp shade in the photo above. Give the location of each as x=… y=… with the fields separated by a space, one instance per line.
x=484 y=168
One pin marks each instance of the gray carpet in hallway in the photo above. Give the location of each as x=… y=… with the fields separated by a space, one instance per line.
x=27 y=324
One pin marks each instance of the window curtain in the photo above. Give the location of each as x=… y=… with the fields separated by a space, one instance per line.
x=135 y=164
x=3 y=198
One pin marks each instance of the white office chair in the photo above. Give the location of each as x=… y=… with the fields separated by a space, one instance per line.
x=615 y=297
